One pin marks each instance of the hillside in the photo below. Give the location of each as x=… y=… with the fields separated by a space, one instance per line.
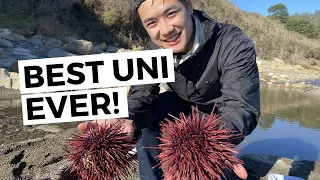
x=111 y=21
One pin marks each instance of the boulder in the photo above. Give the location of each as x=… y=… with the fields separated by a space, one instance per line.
x=5 y=80
x=15 y=82
x=18 y=37
x=99 y=48
x=6 y=43
x=53 y=42
x=259 y=166
x=36 y=39
x=58 y=53
x=69 y=39
x=81 y=47
x=6 y=63
x=112 y=49
x=21 y=50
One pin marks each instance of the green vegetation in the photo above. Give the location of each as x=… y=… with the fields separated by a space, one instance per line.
x=305 y=23
x=112 y=22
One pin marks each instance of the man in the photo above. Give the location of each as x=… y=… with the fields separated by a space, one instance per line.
x=214 y=63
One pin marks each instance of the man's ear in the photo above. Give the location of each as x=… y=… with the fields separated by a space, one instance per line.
x=189 y=6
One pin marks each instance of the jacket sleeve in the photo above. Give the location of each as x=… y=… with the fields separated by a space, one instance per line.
x=141 y=98
x=240 y=99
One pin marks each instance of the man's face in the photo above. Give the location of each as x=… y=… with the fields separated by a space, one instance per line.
x=168 y=23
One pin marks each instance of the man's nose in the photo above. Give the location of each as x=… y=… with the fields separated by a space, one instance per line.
x=166 y=29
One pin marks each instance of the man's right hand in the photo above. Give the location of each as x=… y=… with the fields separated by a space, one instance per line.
x=127 y=124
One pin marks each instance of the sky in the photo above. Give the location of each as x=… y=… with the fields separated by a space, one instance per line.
x=262 y=6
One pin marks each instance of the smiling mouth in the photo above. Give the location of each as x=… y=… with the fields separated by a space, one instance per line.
x=173 y=40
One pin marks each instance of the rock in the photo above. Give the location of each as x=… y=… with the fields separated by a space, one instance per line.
x=5 y=80
x=58 y=53
x=262 y=79
x=301 y=85
x=14 y=67
x=6 y=43
x=4 y=32
x=279 y=61
x=258 y=166
x=49 y=128
x=270 y=74
x=36 y=40
x=15 y=82
x=21 y=50
x=18 y=37
x=123 y=50
x=99 y=48
x=69 y=39
x=53 y=42
x=24 y=56
x=112 y=49
x=287 y=84
x=6 y=63
x=81 y=47
x=270 y=83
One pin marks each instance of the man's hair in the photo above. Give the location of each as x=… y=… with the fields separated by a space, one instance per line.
x=134 y=4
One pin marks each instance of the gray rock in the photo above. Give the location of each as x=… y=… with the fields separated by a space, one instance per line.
x=49 y=128
x=6 y=63
x=99 y=48
x=14 y=66
x=5 y=34
x=112 y=49
x=15 y=82
x=5 y=80
x=25 y=56
x=21 y=50
x=81 y=47
x=6 y=43
x=58 y=53
x=53 y=42
x=68 y=40
x=258 y=166
x=36 y=40
x=18 y=37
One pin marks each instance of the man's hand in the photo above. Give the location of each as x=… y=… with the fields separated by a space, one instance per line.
x=240 y=171
x=127 y=124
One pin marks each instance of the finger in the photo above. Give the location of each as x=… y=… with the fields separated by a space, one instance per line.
x=240 y=171
x=83 y=126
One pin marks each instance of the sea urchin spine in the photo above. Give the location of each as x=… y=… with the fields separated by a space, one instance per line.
x=194 y=148
x=101 y=152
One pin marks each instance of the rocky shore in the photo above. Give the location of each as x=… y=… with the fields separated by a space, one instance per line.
x=35 y=152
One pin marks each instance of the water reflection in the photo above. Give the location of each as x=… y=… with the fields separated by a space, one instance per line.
x=289 y=126
x=289 y=105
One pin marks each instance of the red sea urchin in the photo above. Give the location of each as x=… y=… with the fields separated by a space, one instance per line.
x=194 y=148
x=101 y=152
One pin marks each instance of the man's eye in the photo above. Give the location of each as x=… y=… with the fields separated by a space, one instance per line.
x=171 y=14
x=151 y=24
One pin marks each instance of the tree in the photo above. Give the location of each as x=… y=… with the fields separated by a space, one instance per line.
x=279 y=12
x=302 y=26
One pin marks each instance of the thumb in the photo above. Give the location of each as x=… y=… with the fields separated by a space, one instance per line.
x=83 y=126
x=240 y=171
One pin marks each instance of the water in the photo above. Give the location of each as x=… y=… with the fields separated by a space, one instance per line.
x=289 y=126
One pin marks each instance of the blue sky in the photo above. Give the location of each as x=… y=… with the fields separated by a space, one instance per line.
x=262 y=6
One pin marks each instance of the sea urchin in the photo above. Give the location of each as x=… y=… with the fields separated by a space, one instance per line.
x=100 y=152
x=194 y=148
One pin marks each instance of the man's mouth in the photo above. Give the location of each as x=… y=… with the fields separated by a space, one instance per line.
x=173 y=40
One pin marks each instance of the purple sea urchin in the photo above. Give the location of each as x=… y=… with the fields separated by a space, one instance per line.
x=194 y=148
x=101 y=152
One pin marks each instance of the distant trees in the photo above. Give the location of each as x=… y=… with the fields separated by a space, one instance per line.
x=306 y=24
x=279 y=12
